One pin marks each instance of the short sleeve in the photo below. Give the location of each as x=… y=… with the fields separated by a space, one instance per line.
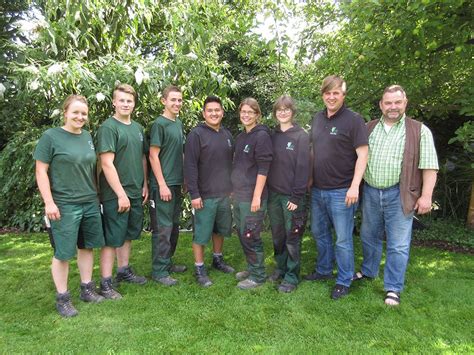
x=428 y=157
x=44 y=149
x=106 y=140
x=157 y=134
x=360 y=136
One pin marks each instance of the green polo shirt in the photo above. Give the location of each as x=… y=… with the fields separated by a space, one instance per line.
x=386 y=154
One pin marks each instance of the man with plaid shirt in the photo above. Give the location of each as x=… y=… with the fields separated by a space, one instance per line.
x=399 y=180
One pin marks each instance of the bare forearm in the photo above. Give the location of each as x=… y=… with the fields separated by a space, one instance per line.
x=156 y=168
x=44 y=186
x=145 y=172
x=429 y=182
x=360 y=166
x=113 y=179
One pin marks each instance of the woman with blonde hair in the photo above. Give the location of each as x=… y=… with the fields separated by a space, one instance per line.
x=65 y=173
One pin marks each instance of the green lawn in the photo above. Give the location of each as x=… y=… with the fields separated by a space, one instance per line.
x=436 y=314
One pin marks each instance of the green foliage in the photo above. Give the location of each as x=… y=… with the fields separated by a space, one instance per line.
x=20 y=203
x=88 y=47
x=465 y=136
x=425 y=46
x=453 y=232
x=432 y=318
x=211 y=47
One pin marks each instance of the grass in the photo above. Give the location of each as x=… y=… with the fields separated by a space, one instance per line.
x=436 y=314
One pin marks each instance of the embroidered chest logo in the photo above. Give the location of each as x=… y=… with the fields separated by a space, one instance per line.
x=91 y=145
x=229 y=143
x=290 y=146
x=333 y=131
x=246 y=148
x=140 y=135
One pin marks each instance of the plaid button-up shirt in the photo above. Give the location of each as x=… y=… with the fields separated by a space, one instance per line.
x=386 y=154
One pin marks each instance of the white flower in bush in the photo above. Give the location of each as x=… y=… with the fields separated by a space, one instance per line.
x=32 y=69
x=2 y=90
x=34 y=85
x=55 y=113
x=55 y=69
x=100 y=97
x=192 y=56
x=139 y=76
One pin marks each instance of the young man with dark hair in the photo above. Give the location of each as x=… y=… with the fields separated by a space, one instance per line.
x=123 y=188
x=166 y=160
x=207 y=169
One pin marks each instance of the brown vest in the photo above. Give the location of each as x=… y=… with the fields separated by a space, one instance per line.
x=410 y=177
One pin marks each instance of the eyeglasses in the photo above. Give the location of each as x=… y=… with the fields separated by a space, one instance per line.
x=249 y=113
x=283 y=110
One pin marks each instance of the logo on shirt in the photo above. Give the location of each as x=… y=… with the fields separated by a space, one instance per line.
x=290 y=146
x=246 y=148
x=91 y=144
x=140 y=135
x=229 y=142
x=333 y=131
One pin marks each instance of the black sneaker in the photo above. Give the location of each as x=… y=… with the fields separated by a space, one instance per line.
x=286 y=287
x=316 y=276
x=64 y=305
x=178 y=268
x=128 y=275
x=275 y=276
x=201 y=276
x=89 y=293
x=219 y=264
x=107 y=290
x=339 y=291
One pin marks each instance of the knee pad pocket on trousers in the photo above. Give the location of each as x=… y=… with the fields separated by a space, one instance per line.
x=298 y=222
x=253 y=226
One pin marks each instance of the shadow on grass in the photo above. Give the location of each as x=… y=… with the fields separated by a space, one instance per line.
x=435 y=315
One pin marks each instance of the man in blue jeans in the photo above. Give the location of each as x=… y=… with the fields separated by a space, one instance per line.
x=339 y=148
x=399 y=180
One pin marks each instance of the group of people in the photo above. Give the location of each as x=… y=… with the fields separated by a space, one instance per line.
x=390 y=162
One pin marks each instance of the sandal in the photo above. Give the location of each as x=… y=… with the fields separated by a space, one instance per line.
x=358 y=276
x=393 y=296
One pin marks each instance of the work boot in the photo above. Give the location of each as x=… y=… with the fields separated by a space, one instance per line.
x=248 y=284
x=219 y=264
x=316 y=276
x=178 y=268
x=275 y=276
x=286 y=287
x=64 y=305
x=201 y=276
x=107 y=290
x=167 y=280
x=242 y=275
x=128 y=275
x=89 y=293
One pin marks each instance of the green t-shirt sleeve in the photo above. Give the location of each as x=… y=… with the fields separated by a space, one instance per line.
x=106 y=140
x=157 y=134
x=44 y=149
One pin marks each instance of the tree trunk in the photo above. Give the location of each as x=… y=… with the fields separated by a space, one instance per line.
x=470 y=212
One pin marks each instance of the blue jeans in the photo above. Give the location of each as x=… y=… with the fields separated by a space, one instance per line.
x=328 y=209
x=382 y=212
